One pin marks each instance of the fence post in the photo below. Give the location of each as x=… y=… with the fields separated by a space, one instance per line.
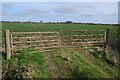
x=7 y=44
x=59 y=43
x=11 y=45
x=106 y=37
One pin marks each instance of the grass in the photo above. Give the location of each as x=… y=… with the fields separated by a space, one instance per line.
x=26 y=59
x=74 y=64
x=69 y=62
x=33 y=27
x=52 y=27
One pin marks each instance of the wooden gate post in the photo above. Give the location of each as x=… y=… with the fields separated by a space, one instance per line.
x=59 y=39
x=7 y=44
x=106 y=37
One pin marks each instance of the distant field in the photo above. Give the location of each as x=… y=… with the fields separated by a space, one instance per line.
x=52 y=27
x=33 y=27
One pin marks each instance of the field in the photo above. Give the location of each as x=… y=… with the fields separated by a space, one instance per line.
x=52 y=27
x=33 y=27
x=62 y=63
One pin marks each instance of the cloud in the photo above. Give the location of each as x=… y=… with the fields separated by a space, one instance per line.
x=107 y=9
x=74 y=7
x=33 y=12
x=6 y=8
x=8 y=4
x=66 y=10
x=89 y=14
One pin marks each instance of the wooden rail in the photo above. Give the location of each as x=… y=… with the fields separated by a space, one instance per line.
x=37 y=37
x=81 y=30
x=32 y=32
x=34 y=41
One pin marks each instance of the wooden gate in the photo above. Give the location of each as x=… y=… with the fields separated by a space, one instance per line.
x=47 y=41
x=79 y=38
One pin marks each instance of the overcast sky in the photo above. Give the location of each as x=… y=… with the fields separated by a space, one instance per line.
x=96 y=12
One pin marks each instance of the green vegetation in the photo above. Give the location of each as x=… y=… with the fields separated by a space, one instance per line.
x=33 y=27
x=52 y=27
x=76 y=63
x=68 y=63
x=26 y=64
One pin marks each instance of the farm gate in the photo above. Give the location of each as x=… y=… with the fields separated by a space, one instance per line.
x=47 y=41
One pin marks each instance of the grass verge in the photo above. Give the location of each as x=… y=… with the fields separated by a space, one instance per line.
x=73 y=63
x=26 y=64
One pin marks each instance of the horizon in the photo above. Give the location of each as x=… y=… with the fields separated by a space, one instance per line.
x=54 y=22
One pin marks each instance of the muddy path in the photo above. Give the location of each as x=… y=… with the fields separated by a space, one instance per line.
x=52 y=66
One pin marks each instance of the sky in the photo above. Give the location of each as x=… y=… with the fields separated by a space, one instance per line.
x=85 y=12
